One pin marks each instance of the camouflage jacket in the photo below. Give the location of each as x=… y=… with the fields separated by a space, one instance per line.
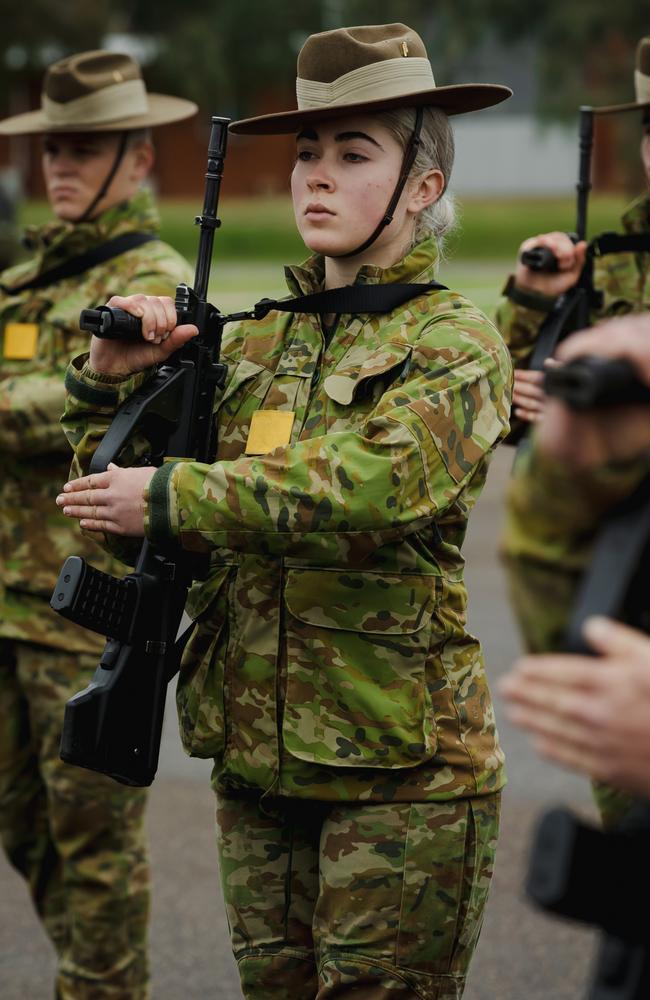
x=623 y=279
x=331 y=658
x=34 y=455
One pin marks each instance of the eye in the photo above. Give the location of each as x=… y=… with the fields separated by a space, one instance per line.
x=305 y=155
x=354 y=157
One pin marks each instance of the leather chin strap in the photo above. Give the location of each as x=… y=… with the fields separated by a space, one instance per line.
x=410 y=153
x=119 y=156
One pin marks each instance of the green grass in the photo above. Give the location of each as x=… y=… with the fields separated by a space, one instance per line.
x=258 y=236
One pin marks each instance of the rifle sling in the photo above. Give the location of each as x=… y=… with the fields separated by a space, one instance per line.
x=620 y=243
x=350 y=299
x=82 y=262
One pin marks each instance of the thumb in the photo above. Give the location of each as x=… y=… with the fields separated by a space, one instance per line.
x=612 y=638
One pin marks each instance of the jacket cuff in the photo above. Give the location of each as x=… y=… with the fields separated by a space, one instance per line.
x=527 y=298
x=160 y=523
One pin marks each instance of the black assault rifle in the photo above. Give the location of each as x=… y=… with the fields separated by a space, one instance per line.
x=572 y=311
x=576 y=870
x=114 y=725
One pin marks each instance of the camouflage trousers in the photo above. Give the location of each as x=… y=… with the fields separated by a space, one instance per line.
x=369 y=901
x=77 y=837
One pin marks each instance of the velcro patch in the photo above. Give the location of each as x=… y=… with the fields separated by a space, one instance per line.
x=269 y=429
x=20 y=341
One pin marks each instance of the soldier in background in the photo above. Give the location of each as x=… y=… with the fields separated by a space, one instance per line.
x=75 y=836
x=590 y=714
x=623 y=278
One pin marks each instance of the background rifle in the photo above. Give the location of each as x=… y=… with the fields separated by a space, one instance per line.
x=114 y=726
x=577 y=870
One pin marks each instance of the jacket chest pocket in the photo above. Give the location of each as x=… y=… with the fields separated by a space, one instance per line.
x=357 y=645
x=364 y=377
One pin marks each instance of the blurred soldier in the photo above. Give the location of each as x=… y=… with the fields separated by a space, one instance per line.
x=623 y=278
x=75 y=836
x=580 y=466
x=592 y=714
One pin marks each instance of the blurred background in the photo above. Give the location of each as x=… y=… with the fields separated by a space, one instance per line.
x=515 y=166
x=515 y=175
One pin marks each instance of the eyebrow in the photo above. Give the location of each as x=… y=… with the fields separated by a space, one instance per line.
x=310 y=133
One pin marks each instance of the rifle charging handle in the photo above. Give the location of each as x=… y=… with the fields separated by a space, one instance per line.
x=110 y=324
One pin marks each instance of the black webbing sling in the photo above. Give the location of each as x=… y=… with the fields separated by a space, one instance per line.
x=82 y=262
x=350 y=299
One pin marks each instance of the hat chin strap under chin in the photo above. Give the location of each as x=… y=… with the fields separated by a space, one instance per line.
x=410 y=153
x=108 y=180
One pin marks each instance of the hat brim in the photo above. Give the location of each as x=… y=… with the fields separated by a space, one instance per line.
x=454 y=100
x=613 y=109
x=163 y=110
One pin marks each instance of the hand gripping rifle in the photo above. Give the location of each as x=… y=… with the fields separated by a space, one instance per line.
x=114 y=725
x=577 y=870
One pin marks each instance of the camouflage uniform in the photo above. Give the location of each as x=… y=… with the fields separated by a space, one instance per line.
x=331 y=661
x=623 y=278
x=76 y=837
x=554 y=513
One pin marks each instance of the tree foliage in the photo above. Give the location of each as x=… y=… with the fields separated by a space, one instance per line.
x=230 y=54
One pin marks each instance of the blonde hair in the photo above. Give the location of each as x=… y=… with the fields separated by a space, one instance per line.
x=436 y=151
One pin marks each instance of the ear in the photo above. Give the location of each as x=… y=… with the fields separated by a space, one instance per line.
x=142 y=160
x=425 y=190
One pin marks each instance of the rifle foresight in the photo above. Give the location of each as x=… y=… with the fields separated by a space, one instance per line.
x=109 y=323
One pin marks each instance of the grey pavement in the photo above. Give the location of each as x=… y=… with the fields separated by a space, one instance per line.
x=522 y=955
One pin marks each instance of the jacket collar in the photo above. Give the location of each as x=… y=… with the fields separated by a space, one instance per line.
x=636 y=218
x=419 y=265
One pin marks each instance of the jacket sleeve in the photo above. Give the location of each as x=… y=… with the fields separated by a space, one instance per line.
x=553 y=515
x=341 y=495
x=519 y=326
x=31 y=403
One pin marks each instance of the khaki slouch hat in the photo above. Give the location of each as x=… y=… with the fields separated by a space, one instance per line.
x=641 y=82
x=366 y=69
x=97 y=91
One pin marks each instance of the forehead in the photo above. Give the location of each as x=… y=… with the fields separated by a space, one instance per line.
x=336 y=127
x=99 y=140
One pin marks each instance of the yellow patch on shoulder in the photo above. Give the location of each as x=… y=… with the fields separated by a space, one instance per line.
x=20 y=341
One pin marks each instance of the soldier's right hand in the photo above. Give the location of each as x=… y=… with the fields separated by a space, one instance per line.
x=570 y=261
x=160 y=336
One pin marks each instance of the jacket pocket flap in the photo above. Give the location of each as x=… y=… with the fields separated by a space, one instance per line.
x=361 y=602
x=359 y=366
x=244 y=371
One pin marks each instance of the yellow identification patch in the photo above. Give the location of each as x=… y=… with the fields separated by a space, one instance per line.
x=20 y=341
x=269 y=429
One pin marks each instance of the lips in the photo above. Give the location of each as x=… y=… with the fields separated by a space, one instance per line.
x=317 y=209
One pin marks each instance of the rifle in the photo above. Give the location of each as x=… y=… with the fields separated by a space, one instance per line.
x=575 y=869
x=114 y=725
x=572 y=311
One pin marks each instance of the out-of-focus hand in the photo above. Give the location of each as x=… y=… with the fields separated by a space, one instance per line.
x=160 y=337
x=528 y=396
x=614 y=433
x=590 y=714
x=570 y=259
x=111 y=501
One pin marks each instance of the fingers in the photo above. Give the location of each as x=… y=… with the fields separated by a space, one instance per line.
x=565 y=251
x=611 y=638
x=157 y=314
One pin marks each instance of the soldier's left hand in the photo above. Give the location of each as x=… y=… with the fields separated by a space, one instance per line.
x=111 y=501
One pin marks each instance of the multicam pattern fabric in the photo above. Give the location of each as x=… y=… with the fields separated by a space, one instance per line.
x=331 y=658
x=623 y=278
x=93 y=904
x=34 y=455
x=373 y=901
x=553 y=513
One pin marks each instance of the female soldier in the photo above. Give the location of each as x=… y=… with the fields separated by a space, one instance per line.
x=330 y=674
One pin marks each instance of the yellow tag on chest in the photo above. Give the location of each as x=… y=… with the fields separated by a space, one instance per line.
x=269 y=429
x=20 y=341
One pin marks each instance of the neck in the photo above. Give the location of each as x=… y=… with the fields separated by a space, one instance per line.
x=343 y=270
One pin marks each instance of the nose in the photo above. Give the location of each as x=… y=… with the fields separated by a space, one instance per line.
x=319 y=178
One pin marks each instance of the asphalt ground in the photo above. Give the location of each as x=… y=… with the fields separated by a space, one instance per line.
x=522 y=955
